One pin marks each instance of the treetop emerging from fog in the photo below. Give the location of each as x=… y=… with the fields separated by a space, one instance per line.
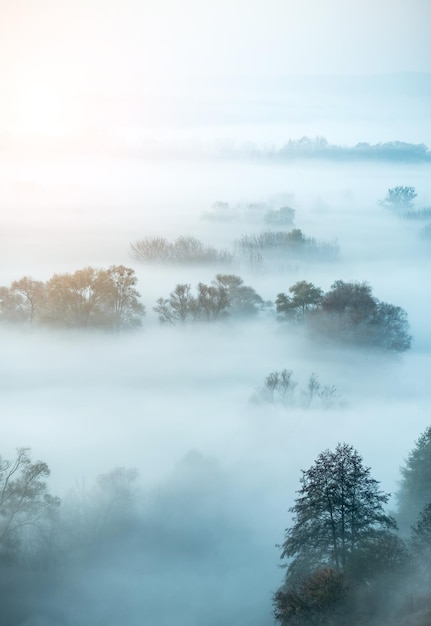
x=348 y=313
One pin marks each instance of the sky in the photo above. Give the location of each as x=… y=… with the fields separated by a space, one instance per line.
x=65 y=46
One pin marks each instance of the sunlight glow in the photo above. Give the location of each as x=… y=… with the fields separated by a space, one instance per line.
x=43 y=110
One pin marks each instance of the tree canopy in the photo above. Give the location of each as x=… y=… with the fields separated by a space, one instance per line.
x=415 y=486
x=338 y=512
x=347 y=313
x=88 y=298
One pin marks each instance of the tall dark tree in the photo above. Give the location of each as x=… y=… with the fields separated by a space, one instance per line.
x=338 y=513
x=415 y=486
x=340 y=539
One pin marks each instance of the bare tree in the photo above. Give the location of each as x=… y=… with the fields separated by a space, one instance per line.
x=25 y=503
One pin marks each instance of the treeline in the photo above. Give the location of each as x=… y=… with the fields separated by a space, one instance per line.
x=319 y=147
x=88 y=298
x=346 y=560
x=281 y=244
x=303 y=148
x=226 y=296
x=108 y=299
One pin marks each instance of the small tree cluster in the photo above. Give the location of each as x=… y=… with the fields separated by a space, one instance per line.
x=399 y=198
x=88 y=298
x=186 y=250
x=225 y=296
x=347 y=313
x=282 y=389
x=287 y=244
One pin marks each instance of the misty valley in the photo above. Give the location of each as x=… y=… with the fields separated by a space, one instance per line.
x=223 y=367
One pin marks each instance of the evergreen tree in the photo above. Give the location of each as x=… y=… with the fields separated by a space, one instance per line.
x=415 y=487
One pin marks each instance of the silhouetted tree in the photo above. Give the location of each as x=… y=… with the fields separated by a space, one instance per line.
x=339 y=512
x=26 y=506
x=415 y=486
x=339 y=538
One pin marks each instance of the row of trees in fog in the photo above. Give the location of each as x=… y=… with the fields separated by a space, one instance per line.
x=346 y=560
x=108 y=298
x=88 y=298
x=268 y=245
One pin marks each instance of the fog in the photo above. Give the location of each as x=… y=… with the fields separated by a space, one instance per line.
x=217 y=472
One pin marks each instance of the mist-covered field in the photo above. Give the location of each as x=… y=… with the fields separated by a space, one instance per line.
x=216 y=470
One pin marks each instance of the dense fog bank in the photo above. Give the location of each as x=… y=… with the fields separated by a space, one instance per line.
x=216 y=470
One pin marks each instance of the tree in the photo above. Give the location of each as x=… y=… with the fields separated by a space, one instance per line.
x=12 y=306
x=179 y=307
x=316 y=600
x=33 y=293
x=415 y=485
x=350 y=313
x=118 y=297
x=420 y=544
x=338 y=514
x=390 y=328
x=400 y=198
x=243 y=299
x=211 y=302
x=226 y=295
x=305 y=297
x=25 y=503
x=94 y=298
x=354 y=300
x=185 y=249
x=72 y=299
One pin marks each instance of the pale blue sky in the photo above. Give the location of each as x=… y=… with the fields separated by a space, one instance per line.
x=51 y=51
x=129 y=42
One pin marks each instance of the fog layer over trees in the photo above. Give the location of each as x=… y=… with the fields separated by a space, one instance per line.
x=185 y=344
